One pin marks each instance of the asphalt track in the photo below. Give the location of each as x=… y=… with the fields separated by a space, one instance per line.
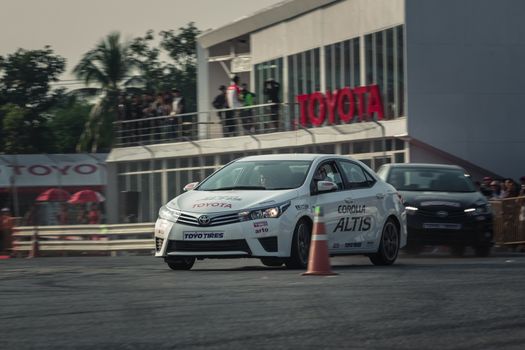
x=136 y=302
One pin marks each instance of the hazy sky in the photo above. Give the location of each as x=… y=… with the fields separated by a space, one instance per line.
x=72 y=27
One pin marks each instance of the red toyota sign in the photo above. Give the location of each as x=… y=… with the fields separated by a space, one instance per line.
x=347 y=101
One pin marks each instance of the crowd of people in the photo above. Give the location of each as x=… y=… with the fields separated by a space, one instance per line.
x=233 y=104
x=135 y=109
x=135 y=112
x=495 y=189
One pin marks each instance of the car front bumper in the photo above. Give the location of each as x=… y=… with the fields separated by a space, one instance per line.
x=260 y=238
x=469 y=231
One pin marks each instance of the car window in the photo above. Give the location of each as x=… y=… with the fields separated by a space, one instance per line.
x=258 y=175
x=327 y=172
x=430 y=179
x=356 y=176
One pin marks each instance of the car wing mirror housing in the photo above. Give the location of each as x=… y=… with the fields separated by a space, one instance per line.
x=326 y=186
x=190 y=186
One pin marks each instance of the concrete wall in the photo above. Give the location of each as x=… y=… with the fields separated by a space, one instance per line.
x=333 y=23
x=466 y=66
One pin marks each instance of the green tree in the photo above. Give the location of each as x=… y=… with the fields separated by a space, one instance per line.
x=25 y=96
x=107 y=66
x=181 y=46
x=67 y=123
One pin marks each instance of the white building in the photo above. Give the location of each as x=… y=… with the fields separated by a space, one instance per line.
x=450 y=76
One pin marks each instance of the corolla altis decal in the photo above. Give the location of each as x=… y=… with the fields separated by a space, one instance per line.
x=355 y=223
x=302 y=206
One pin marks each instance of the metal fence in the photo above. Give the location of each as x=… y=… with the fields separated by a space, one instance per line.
x=509 y=221
x=53 y=240
x=252 y=120
x=509 y=230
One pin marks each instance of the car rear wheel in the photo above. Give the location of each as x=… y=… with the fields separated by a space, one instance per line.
x=389 y=246
x=180 y=263
x=302 y=237
x=273 y=262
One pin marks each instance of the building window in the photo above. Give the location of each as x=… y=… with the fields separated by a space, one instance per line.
x=342 y=66
x=268 y=70
x=384 y=56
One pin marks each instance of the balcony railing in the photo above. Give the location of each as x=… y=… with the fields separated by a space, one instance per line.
x=252 y=120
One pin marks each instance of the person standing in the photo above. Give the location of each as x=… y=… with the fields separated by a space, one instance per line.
x=233 y=97
x=219 y=102
x=271 y=91
x=248 y=98
x=6 y=230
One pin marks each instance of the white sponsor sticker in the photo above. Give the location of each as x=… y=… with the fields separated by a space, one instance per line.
x=201 y=235
x=162 y=228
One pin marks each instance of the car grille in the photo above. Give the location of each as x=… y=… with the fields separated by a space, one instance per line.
x=433 y=213
x=158 y=243
x=215 y=220
x=209 y=246
x=269 y=243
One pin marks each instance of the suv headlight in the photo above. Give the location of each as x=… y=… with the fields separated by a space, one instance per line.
x=264 y=213
x=481 y=210
x=411 y=210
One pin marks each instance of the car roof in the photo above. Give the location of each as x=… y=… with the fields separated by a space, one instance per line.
x=425 y=165
x=294 y=156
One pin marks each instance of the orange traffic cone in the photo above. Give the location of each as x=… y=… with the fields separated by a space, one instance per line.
x=35 y=248
x=319 y=259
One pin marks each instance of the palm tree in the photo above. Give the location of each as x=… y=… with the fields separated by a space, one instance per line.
x=107 y=65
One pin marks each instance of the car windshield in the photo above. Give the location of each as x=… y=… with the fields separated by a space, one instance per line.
x=258 y=175
x=430 y=179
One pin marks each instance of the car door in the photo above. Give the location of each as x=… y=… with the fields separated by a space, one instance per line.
x=329 y=201
x=362 y=210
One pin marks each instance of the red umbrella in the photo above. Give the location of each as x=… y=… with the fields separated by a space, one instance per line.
x=53 y=195
x=86 y=196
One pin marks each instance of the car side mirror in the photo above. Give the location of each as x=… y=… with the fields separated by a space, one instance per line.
x=190 y=186
x=326 y=186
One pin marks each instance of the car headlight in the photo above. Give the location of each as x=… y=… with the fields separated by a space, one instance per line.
x=264 y=213
x=481 y=210
x=411 y=210
x=167 y=214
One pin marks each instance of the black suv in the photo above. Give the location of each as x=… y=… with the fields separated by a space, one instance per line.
x=443 y=207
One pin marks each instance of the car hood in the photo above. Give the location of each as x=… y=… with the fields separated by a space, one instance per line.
x=227 y=201
x=443 y=199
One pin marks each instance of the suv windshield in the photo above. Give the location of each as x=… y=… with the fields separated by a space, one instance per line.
x=258 y=175
x=430 y=179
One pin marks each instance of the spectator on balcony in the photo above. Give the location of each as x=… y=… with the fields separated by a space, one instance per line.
x=219 y=102
x=271 y=91
x=176 y=121
x=233 y=98
x=248 y=99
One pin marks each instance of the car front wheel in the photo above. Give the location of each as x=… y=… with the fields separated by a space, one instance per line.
x=180 y=263
x=302 y=237
x=389 y=246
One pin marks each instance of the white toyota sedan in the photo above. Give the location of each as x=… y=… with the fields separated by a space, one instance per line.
x=262 y=207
